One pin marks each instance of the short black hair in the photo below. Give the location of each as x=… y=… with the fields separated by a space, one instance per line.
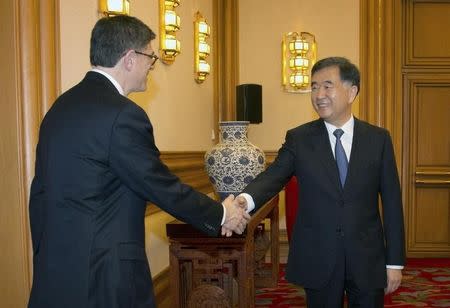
x=347 y=70
x=113 y=36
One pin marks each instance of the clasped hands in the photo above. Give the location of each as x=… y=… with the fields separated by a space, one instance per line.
x=236 y=217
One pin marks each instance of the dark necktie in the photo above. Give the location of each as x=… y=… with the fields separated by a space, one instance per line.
x=341 y=158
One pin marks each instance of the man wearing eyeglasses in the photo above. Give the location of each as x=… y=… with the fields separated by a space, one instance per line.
x=97 y=165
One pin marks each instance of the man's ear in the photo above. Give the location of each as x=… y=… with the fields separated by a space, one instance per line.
x=353 y=92
x=129 y=59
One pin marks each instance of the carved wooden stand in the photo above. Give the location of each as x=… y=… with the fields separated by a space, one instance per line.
x=220 y=271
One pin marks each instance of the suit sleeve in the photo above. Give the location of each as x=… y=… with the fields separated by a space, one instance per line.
x=37 y=206
x=392 y=207
x=271 y=181
x=136 y=159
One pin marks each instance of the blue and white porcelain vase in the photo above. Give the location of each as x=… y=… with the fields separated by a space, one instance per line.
x=234 y=161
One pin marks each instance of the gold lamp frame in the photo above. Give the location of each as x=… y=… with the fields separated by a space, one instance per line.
x=298 y=55
x=114 y=7
x=169 y=24
x=202 y=49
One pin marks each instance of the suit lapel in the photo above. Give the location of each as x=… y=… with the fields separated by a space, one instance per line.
x=356 y=155
x=322 y=149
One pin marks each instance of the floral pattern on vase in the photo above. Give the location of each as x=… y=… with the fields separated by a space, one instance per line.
x=234 y=161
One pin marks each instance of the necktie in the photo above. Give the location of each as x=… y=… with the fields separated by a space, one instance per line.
x=341 y=158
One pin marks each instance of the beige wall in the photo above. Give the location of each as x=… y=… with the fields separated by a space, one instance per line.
x=181 y=110
x=262 y=24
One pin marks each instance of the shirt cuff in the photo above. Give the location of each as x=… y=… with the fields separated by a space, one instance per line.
x=224 y=215
x=250 y=202
x=395 y=266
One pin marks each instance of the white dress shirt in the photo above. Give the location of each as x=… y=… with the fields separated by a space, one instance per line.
x=110 y=78
x=346 y=138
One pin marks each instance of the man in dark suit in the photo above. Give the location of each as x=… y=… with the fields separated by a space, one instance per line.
x=96 y=166
x=340 y=243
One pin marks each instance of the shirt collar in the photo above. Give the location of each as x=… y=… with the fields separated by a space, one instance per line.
x=110 y=78
x=347 y=127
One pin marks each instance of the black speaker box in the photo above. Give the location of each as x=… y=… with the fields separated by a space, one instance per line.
x=249 y=103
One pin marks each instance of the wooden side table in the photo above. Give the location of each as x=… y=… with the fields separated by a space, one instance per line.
x=223 y=269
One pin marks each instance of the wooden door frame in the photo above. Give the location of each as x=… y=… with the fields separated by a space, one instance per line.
x=226 y=61
x=380 y=64
x=381 y=95
x=37 y=47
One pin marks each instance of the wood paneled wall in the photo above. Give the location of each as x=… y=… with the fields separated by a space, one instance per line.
x=405 y=65
x=426 y=111
x=29 y=85
x=14 y=265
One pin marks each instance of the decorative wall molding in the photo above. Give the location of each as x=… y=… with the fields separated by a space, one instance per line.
x=161 y=288
x=189 y=166
x=425 y=45
x=270 y=156
x=427 y=197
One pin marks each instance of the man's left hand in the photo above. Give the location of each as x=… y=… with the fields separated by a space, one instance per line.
x=394 y=278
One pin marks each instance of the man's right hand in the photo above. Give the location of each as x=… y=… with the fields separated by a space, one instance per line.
x=242 y=202
x=236 y=218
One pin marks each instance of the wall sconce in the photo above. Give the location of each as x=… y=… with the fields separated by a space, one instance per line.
x=169 y=23
x=201 y=48
x=299 y=53
x=114 y=7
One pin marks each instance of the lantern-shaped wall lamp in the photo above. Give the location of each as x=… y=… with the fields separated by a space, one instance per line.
x=299 y=53
x=169 y=24
x=201 y=48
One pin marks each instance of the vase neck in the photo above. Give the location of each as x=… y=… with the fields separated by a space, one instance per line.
x=233 y=132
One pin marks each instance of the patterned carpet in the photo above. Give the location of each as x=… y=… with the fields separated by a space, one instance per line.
x=426 y=283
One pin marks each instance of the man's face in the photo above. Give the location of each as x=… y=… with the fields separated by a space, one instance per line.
x=144 y=64
x=331 y=98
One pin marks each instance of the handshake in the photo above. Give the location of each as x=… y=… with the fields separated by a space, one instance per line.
x=236 y=218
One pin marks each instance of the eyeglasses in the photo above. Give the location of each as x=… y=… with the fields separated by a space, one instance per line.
x=153 y=57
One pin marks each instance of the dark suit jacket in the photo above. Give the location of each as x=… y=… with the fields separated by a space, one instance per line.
x=96 y=166
x=327 y=211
